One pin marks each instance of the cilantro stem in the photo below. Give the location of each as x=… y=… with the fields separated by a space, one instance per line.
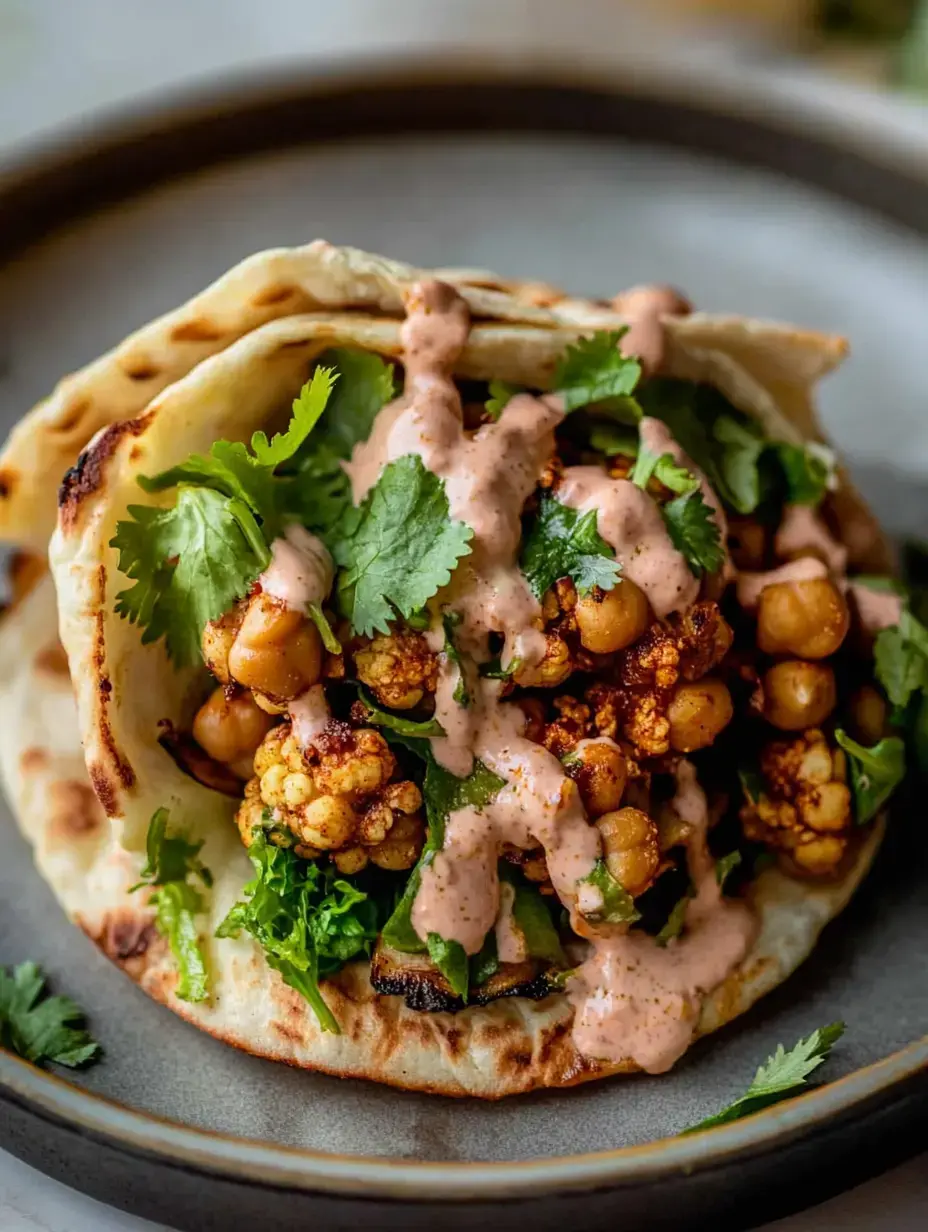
x=329 y=640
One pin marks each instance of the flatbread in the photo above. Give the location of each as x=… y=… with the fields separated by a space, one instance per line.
x=121 y=690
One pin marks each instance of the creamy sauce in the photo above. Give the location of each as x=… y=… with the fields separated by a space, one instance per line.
x=657 y=437
x=300 y=574
x=803 y=533
x=488 y=474
x=636 y=1001
x=750 y=586
x=301 y=571
x=644 y=308
x=309 y=714
x=510 y=943
x=459 y=893
x=631 y=523
x=877 y=609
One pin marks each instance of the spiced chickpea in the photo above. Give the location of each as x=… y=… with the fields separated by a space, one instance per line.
x=698 y=711
x=610 y=620
x=808 y=619
x=599 y=769
x=798 y=695
x=552 y=670
x=631 y=848
x=230 y=729
x=868 y=715
x=277 y=651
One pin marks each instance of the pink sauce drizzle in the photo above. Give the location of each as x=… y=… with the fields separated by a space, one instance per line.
x=631 y=523
x=300 y=575
x=877 y=609
x=751 y=585
x=636 y=1001
x=644 y=308
x=803 y=533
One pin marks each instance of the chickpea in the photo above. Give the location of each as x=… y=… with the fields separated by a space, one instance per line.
x=350 y=861
x=328 y=822
x=217 y=640
x=808 y=619
x=798 y=695
x=631 y=848
x=401 y=848
x=276 y=651
x=600 y=775
x=230 y=729
x=868 y=715
x=698 y=711
x=611 y=620
x=821 y=855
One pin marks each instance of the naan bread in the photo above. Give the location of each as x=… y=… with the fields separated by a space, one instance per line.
x=90 y=844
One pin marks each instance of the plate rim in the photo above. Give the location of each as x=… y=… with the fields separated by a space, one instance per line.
x=114 y=132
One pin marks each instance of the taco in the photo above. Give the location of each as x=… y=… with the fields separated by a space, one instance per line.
x=477 y=684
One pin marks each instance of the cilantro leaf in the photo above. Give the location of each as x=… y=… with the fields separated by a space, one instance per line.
x=564 y=543
x=41 y=1028
x=501 y=392
x=450 y=621
x=443 y=793
x=451 y=960
x=737 y=460
x=725 y=866
x=900 y=666
x=595 y=370
x=189 y=564
x=808 y=471
x=533 y=920
x=613 y=439
x=396 y=722
x=307 y=409
x=618 y=906
x=662 y=467
x=783 y=1075
x=399 y=548
x=673 y=925
x=485 y=964
x=308 y=920
x=694 y=532
x=365 y=385
x=875 y=772
x=171 y=862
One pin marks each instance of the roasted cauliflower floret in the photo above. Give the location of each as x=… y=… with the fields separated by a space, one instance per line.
x=399 y=668
x=552 y=670
x=562 y=735
x=805 y=810
x=648 y=672
x=339 y=798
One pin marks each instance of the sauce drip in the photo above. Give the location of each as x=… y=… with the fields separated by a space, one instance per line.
x=877 y=609
x=803 y=533
x=643 y=308
x=631 y=523
x=300 y=575
x=636 y=1001
x=751 y=585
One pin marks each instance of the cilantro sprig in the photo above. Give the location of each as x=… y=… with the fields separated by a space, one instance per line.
x=192 y=561
x=618 y=906
x=172 y=861
x=561 y=542
x=784 y=1074
x=399 y=548
x=594 y=371
x=308 y=920
x=38 y=1027
x=689 y=519
x=875 y=772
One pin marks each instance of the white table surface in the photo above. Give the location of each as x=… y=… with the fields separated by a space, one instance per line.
x=63 y=60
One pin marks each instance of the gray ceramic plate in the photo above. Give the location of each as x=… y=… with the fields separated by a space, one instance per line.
x=535 y=180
